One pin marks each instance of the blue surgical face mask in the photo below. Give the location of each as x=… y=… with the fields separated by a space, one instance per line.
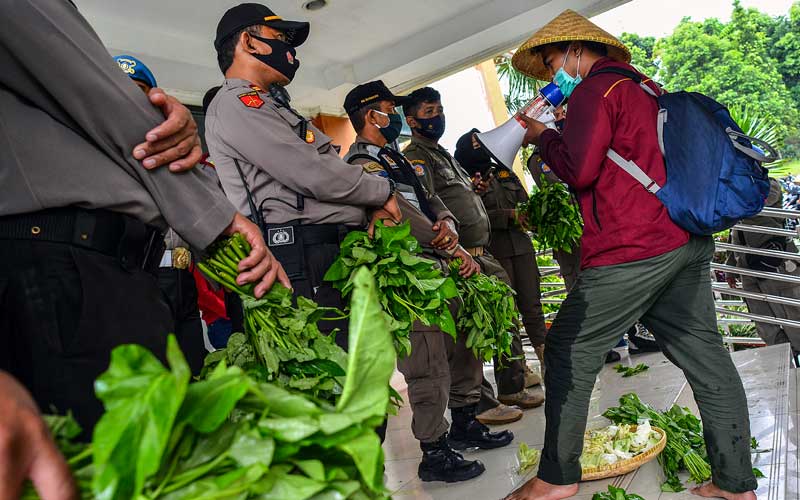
x=391 y=131
x=564 y=80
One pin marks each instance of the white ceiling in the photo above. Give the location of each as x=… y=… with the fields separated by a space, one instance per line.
x=407 y=43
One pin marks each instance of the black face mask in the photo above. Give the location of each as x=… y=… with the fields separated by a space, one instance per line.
x=472 y=159
x=432 y=128
x=282 y=59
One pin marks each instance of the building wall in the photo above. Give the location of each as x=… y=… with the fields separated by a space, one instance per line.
x=338 y=128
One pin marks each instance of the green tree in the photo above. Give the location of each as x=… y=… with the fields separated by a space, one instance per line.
x=785 y=49
x=731 y=63
x=641 y=48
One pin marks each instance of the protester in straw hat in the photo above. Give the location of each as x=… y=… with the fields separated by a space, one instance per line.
x=635 y=263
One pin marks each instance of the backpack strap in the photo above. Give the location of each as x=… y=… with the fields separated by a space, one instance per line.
x=634 y=170
x=628 y=166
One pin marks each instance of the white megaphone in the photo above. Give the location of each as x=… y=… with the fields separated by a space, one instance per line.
x=503 y=143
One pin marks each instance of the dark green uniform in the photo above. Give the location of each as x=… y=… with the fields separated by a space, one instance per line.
x=442 y=175
x=437 y=370
x=513 y=249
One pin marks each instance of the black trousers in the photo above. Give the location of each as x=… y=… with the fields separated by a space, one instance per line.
x=62 y=310
x=180 y=291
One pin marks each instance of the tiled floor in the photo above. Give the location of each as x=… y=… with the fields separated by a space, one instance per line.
x=773 y=401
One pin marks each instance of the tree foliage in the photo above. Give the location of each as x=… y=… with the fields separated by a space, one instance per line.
x=737 y=63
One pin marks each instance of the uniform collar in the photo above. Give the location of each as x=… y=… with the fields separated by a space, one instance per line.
x=371 y=148
x=425 y=142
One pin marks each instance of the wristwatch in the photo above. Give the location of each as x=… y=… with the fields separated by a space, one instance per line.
x=392 y=188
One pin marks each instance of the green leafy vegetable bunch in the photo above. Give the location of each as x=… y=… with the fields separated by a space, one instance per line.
x=282 y=342
x=411 y=288
x=554 y=216
x=232 y=437
x=685 y=449
x=488 y=313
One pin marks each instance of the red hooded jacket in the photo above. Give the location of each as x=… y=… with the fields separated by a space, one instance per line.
x=623 y=222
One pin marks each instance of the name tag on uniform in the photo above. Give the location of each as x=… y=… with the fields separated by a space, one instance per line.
x=390 y=162
x=280 y=236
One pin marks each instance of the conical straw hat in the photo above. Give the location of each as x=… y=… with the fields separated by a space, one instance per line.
x=568 y=26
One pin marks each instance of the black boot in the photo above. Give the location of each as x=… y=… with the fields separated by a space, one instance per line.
x=441 y=463
x=467 y=432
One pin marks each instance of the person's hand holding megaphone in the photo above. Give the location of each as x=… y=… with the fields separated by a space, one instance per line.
x=534 y=130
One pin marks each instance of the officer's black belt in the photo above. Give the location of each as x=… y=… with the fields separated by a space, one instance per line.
x=136 y=245
x=307 y=234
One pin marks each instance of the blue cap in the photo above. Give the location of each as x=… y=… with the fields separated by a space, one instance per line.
x=553 y=94
x=136 y=70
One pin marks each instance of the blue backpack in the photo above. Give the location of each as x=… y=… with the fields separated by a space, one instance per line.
x=714 y=174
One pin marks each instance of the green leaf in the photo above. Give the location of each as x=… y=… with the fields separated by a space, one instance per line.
x=142 y=401
x=291 y=429
x=208 y=403
x=371 y=356
x=283 y=486
x=366 y=452
x=250 y=447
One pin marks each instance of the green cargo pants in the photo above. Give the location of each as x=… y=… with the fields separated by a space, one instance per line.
x=671 y=293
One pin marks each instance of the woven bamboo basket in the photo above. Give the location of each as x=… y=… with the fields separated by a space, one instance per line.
x=625 y=466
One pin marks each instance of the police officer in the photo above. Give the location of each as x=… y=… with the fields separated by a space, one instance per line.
x=442 y=175
x=509 y=243
x=437 y=369
x=81 y=220
x=275 y=165
x=174 y=277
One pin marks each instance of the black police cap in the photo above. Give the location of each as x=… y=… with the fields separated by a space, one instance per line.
x=253 y=14
x=369 y=93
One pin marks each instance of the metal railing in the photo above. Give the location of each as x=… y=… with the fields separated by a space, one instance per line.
x=726 y=316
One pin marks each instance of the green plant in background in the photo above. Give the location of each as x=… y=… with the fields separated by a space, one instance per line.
x=519 y=90
x=547 y=260
x=759 y=125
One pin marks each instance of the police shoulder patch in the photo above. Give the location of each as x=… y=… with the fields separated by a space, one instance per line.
x=372 y=167
x=251 y=99
x=419 y=167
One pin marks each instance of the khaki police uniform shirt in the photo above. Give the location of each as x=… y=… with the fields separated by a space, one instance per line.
x=421 y=225
x=442 y=175
x=362 y=146
x=69 y=120
x=245 y=123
